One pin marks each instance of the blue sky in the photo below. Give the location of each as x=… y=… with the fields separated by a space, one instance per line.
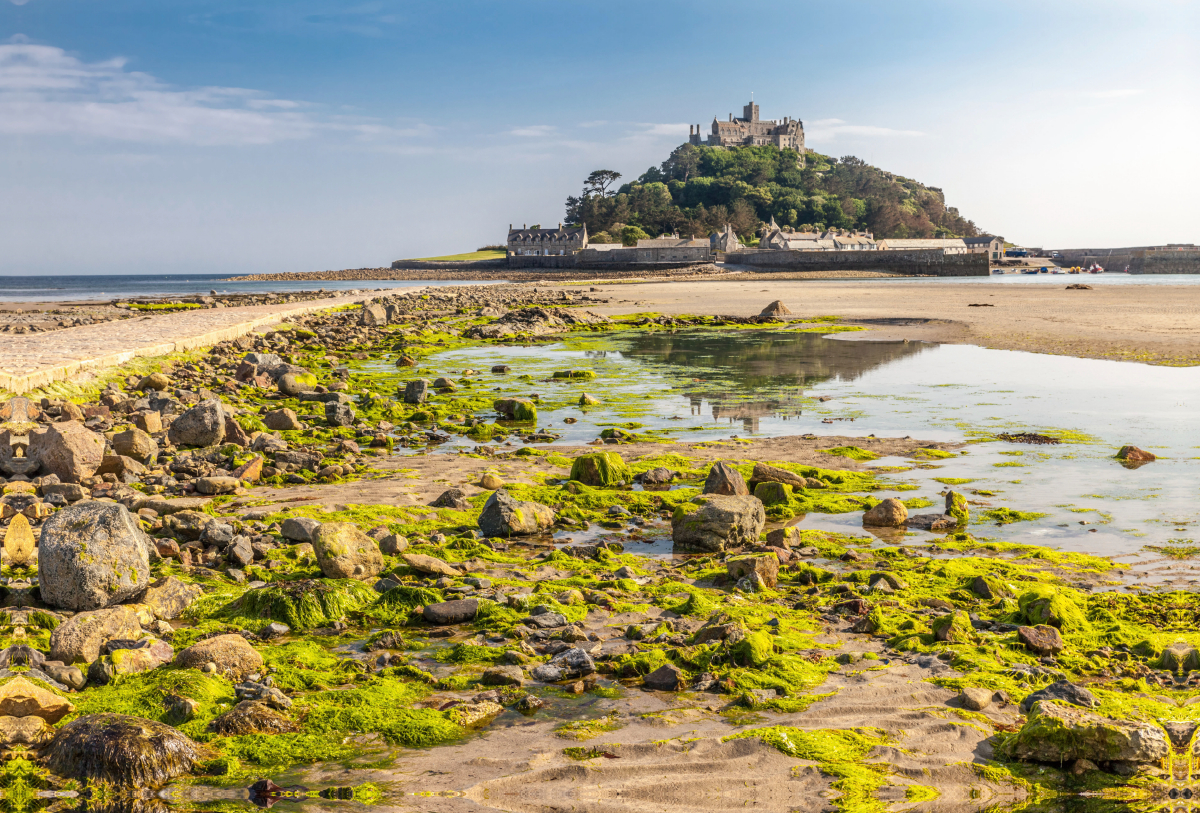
x=212 y=137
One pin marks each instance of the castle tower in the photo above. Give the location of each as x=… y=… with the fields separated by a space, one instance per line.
x=750 y=112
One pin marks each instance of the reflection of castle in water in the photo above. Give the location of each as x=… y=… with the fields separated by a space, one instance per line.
x=757 y=374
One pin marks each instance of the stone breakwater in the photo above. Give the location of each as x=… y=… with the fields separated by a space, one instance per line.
x=469 y=271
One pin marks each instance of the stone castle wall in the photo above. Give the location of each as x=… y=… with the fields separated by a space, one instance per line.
x=928 y=262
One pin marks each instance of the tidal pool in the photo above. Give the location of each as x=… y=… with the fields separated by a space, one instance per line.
x=693 y=385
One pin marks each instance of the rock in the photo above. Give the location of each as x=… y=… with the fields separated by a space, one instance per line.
x=167 y=598
x=164 y=507
x=1061 y=691
x=274 y=630
x=547 y=621
x=393 y=544
x=725 y=480
x=1041 y=639
x=339 y=414
x=1043 y=604
x=299 y=529
x=953 y=628
x=19 y=545
x=91 y=555
x=956 y=506
x=767 y=568
x=1133 y=454
x=129 y=661
x=931 y=522
x=1178 y=657
x=468 y=715
x=23 y=698
x=428 y=564
x=1060 y=733
x=1081 y=766
x=990 y=588
x=121 y=750
x=656 y=477
x=454 y=498
x=772 y=474
x=975 y=698
x=491 y=481
x=372 y=315
x=67 y=450
x=136 y=444
x=784 y=537
x=217 y=485
x=292 y=384
x=504 y=516
x=155 y=381
x=588 y=400
x=776 y=308
x=127 y=469
x=451 y=612
x=516 y=409
x=202 y=425
x=889 y=513
x=71 y=492
x=71 y=676
x=666 y=678
x=602 y=469
x=251 y=470
x=344 y=552
x=234 y=433
x=502 y=676
x=252 y=717
x=772 y=494
x=415 y=392
x=574 y=663
x=232 y=656
x=80 y=638
x=282 y=420
x=714 y=522
x=24 y=730
x=149 y=422
x=240 y=553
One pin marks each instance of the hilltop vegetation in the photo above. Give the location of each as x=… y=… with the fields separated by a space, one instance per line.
x=697 y=190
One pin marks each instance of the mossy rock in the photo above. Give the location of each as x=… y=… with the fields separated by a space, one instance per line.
x=956 y=506
x=771 y=494
x=302 y=604
x=953 y=628
x=1046 y=604
x=602 y=469
x=755 y=649
x=574 y=374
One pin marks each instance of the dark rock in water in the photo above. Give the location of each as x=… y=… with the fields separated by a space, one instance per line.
x=1064 y=691
x=451 y=612
x=725 y=480
x=415 y=392
x=931 y=522
x=454 y=498
x=252 y=717
x=121 y=750
x=1133 y=454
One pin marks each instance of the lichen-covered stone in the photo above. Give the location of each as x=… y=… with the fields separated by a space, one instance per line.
x=202 y=425
x=68 y=450
x=953 y=628
x=772 y=494
x=121 y=750
x=1059 y=733
x=714 y=522
x=602 y=469
x=80 y=637
x=345 y=552
x=888 y=513
x=231 y=654
x=516 y=409
x=503 y=515
x=91 y=555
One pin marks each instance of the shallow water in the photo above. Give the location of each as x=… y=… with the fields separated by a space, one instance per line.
x=705 y=385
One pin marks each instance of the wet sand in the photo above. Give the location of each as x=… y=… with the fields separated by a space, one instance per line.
x=1154 y=324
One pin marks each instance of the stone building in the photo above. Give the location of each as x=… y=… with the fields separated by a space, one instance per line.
x=751 y=131
x=950 y=245
x=525 y=242
x=986 y=244
x=726 y=240
x=773 y=237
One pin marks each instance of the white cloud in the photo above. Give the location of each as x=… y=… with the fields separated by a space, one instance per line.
x=18 y=2
x=832 y=129
x=46 y=91
x=534 y=131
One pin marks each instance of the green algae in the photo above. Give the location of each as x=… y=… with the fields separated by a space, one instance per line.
x=302 y=604
x=852 y=452
x=1005 y=516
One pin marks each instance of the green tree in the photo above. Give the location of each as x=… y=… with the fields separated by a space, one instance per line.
x=599 y=181
x=631 y=234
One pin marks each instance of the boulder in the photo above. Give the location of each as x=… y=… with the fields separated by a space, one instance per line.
x=167 y=598
x=451 y=612
x=252 y=717
x=67 y=450
x=282 y=420
x=491 y=481
x=588 y=400
x=889 y=513
x=393 y=544
x=23 y=698
x=931 y=522
x=956 y=506
x=148 y=654
x=1059 y=733
x=516 y=409
x=975 y=698
x=504 y=516
x=339 y=414
x=953 y=628
x=126 y=469
x=251 y=470
x=772 y=494
x=773 y=474
x=202 y=425
x=92 y=555
x=656 y=477
x=231 y=654
x=292 y=384
x=234 y=433
x=776 y=308
x=574 y=663
x=666 y=678
x=156 y=382
x=217 y=485
x=767 y=568
x=714 y=522
x=1061 y=691
x=990 y=588
x=136 y=444
x=122 y=750
x=784 y=537
x=149 y=422
x=723 y=479
x=1041 y=639
x=299 y=529
x=80 y=638
x=428 y=564
x=1133 y=454
x=502 y=676
x=415 y=392
x=345 y=552
x=454 y=498
x=601 y=469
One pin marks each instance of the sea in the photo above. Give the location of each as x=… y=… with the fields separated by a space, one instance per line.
x=86 y=287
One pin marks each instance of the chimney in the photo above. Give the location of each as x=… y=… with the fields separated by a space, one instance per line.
x=560 y=225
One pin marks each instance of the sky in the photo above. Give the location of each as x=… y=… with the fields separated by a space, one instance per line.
x=247 y=136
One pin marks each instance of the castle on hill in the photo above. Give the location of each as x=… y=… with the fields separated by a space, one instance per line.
x=751 y=131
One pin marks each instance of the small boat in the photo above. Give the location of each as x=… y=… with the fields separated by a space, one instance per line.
x=1030 y=271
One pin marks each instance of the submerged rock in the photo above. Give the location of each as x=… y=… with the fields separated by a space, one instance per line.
x=714 y=522
x=503 y=515
x=516 y=409
x=889 y=513
x=956 y=506
x=121 y=750
x=92 y=555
